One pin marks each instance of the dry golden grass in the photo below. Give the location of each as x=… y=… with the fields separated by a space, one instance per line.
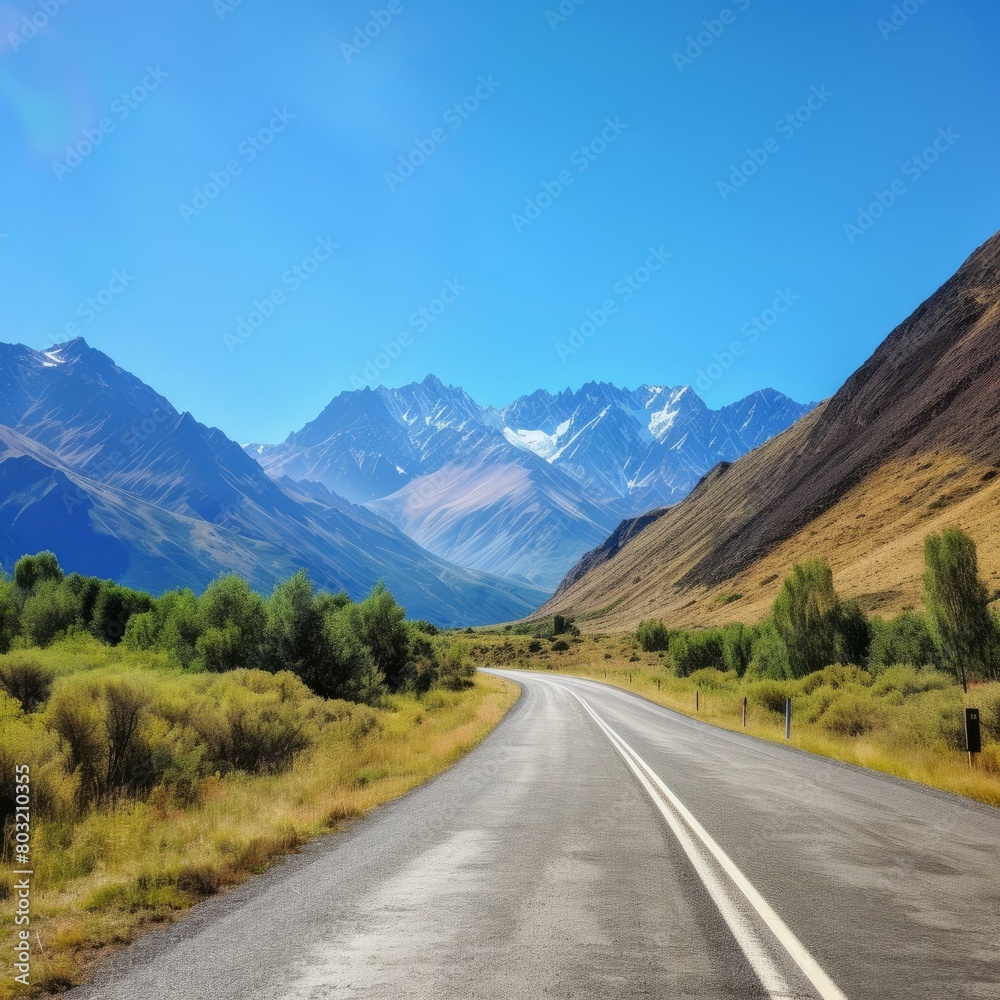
x=103 y=880
x=908 y=741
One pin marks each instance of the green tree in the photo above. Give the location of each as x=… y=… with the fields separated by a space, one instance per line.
x=737 y=647
x=353 y=674
x=853 y=634
x=10 y=614
x=958 y=605
x=805 y=613
x=29 y=571
x=179 y=625
x=85 y=589
x=296 y=639
x=770 y=654
x=113 y=608
x=907 y=638
x=141 y=631
x=231 y=606
x=381 y=627
x=50 y=610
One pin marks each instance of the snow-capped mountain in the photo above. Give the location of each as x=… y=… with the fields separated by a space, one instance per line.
x=103 y=470
x=526 y=490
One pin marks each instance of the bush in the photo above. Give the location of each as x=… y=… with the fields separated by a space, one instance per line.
x=25 y=679
x=769 y=694
x=852 y=715
x=653 y=636
x=252 y=721
x=457 y=668
x=560 y=646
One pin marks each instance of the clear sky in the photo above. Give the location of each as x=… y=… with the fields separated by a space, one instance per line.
x=169 y=170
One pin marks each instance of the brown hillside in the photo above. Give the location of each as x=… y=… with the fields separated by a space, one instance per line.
x=909 y=444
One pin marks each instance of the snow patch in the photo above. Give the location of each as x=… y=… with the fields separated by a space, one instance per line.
x=543 y=445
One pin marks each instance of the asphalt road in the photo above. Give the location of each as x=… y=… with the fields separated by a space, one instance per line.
x=596 y=845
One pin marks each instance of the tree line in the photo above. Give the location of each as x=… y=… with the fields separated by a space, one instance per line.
x=358 y=651
x=811 y=628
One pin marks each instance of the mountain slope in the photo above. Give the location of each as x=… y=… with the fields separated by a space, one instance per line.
x=911 y=442
x=526 y=490
x=99 y=467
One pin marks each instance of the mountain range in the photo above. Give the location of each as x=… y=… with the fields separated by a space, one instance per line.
x=525 y=490
x=471 y=515
x=910 y=444
x=103 y=470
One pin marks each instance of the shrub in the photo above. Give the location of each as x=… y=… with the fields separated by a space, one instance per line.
x=852 y=715
x=653 y=636
x=252 y=721
x=25 y=679
x=560 y=646
x=770 y=694
x=457 y=668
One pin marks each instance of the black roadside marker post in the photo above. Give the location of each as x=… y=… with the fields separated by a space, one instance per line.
x=744 y=713
x=697 y=699
x=973 y=737
x=788 y=718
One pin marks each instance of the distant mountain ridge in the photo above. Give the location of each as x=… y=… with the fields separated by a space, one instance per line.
x=102 y=469
x=525 y=490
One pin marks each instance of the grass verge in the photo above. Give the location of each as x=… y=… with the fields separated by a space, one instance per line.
x=103 y=878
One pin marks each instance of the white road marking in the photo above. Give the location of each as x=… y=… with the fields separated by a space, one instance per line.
x=677 y=816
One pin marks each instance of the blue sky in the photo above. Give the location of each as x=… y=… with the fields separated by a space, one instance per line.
x=172 y=173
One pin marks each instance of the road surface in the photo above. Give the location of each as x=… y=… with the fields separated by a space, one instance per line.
x=596 y=845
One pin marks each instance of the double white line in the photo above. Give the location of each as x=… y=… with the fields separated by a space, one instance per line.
x=701 y=849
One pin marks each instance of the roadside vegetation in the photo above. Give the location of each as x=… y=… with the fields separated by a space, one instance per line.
x=180 y=744
x=888 y=694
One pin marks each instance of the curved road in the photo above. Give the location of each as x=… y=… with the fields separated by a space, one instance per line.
x=596 y=845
